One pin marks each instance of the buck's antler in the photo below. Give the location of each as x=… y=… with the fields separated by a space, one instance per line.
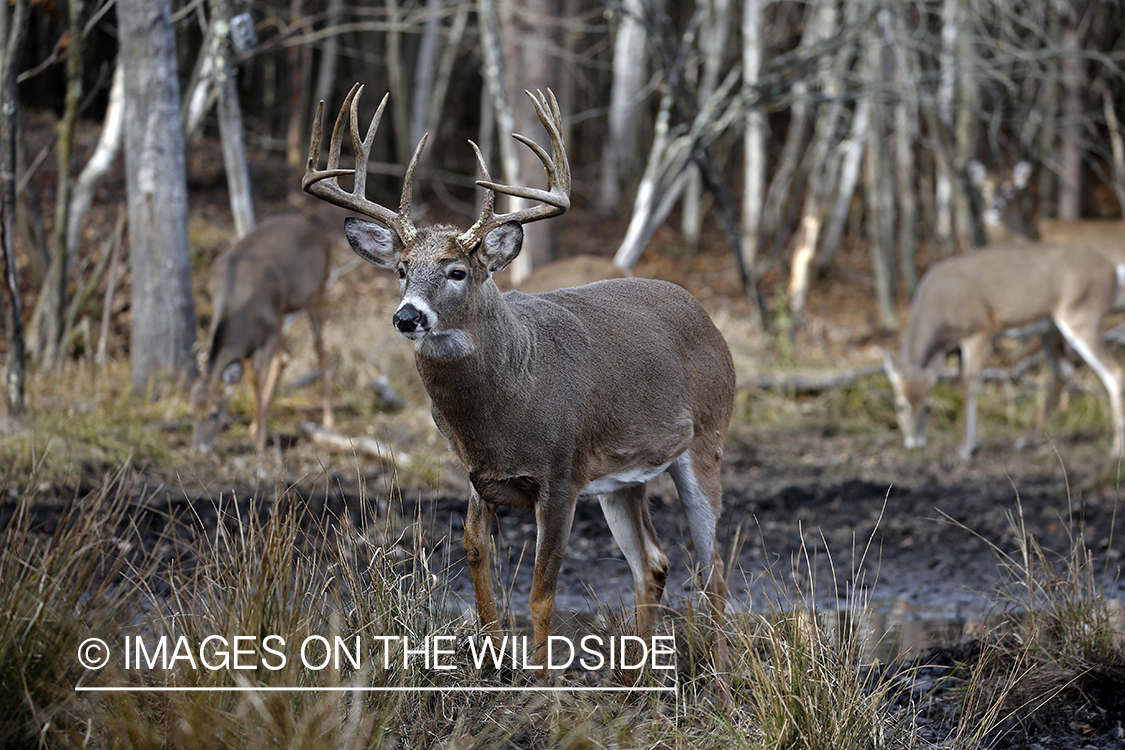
x=553 y=201
x=324 y=184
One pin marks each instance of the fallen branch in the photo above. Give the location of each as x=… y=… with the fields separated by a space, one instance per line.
x=331 y=440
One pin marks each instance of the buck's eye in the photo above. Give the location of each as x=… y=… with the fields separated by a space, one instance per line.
x=402 y=273
x=458 y=274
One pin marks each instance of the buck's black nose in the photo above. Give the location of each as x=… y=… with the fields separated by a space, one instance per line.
x=409 y=318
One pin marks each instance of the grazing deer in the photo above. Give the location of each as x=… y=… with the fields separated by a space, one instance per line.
x=279 y=268
x=962 y=301
x=546 y=398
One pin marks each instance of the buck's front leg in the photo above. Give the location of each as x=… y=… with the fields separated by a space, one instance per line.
x=554 y=515
x=478 y=530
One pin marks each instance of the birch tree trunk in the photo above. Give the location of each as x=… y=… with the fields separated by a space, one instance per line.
x=230 y=121
x=753 y=149
x=946 y=104
x=529 y=44
x=105 y=153
x=776 y=213
x=906 y=84
x=163 y=315
x=880 y=185
x=425 y=70
x=620 y=155
x=823 y=171
x=712 y=41
x=12 y=36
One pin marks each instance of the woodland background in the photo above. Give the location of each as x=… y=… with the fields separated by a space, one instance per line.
x=795 y=127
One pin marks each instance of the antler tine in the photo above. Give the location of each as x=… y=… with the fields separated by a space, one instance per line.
x=406 y=229
x=363 y=148
x=324 y=183
x=553 y=201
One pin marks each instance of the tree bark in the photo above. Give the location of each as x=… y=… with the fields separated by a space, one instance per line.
x=712 y=40
x=880 y=185
x=530 y=44
x=230 y=121
x=298 y=59
x=49 y=313
x=105 y=153
x=15 y=362
x=163 y=316
x=1075 y=81
x=620 y=155
x=329 y=54
x=753 y=150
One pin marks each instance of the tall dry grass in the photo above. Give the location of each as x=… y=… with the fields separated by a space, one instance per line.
x=121 y=561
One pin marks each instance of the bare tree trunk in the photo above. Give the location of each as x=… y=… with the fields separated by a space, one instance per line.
x=29 y=221
x=820 y=24
x=163 y=315
x=946 y=103
x=823 y=170
x=105 y=153
x=295 y=135
x=48 y=318
x=620 y=156
x=230 y=121
x=425 y=70
x=1049 y=104
x=497 y=85
x=754 y=149
x=879 y=184
x=906 y=82
x=329 y=54
x=449 y=55
x=1075 y=81
x=396 y=82
x=712 y=39
x=851 y=164
x=530 y=44
x=14 y=33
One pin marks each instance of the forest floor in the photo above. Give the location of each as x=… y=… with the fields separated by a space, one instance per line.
x=820 y=497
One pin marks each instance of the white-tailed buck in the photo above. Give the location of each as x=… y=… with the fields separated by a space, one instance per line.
x=279 y=268
x=546 y=398
x=962 y=301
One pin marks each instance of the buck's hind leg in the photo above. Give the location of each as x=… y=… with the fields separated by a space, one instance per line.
x=626 y=513
x=696 y=474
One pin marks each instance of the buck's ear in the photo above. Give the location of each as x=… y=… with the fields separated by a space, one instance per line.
x=501 y=246
x=373 y=242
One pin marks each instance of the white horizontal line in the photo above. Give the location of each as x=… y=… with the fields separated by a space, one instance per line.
x=306 y=689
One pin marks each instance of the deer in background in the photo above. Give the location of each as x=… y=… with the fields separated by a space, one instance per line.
x=962 y=301
x=1005 y=219
x=278 y=269
x=546 y=398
